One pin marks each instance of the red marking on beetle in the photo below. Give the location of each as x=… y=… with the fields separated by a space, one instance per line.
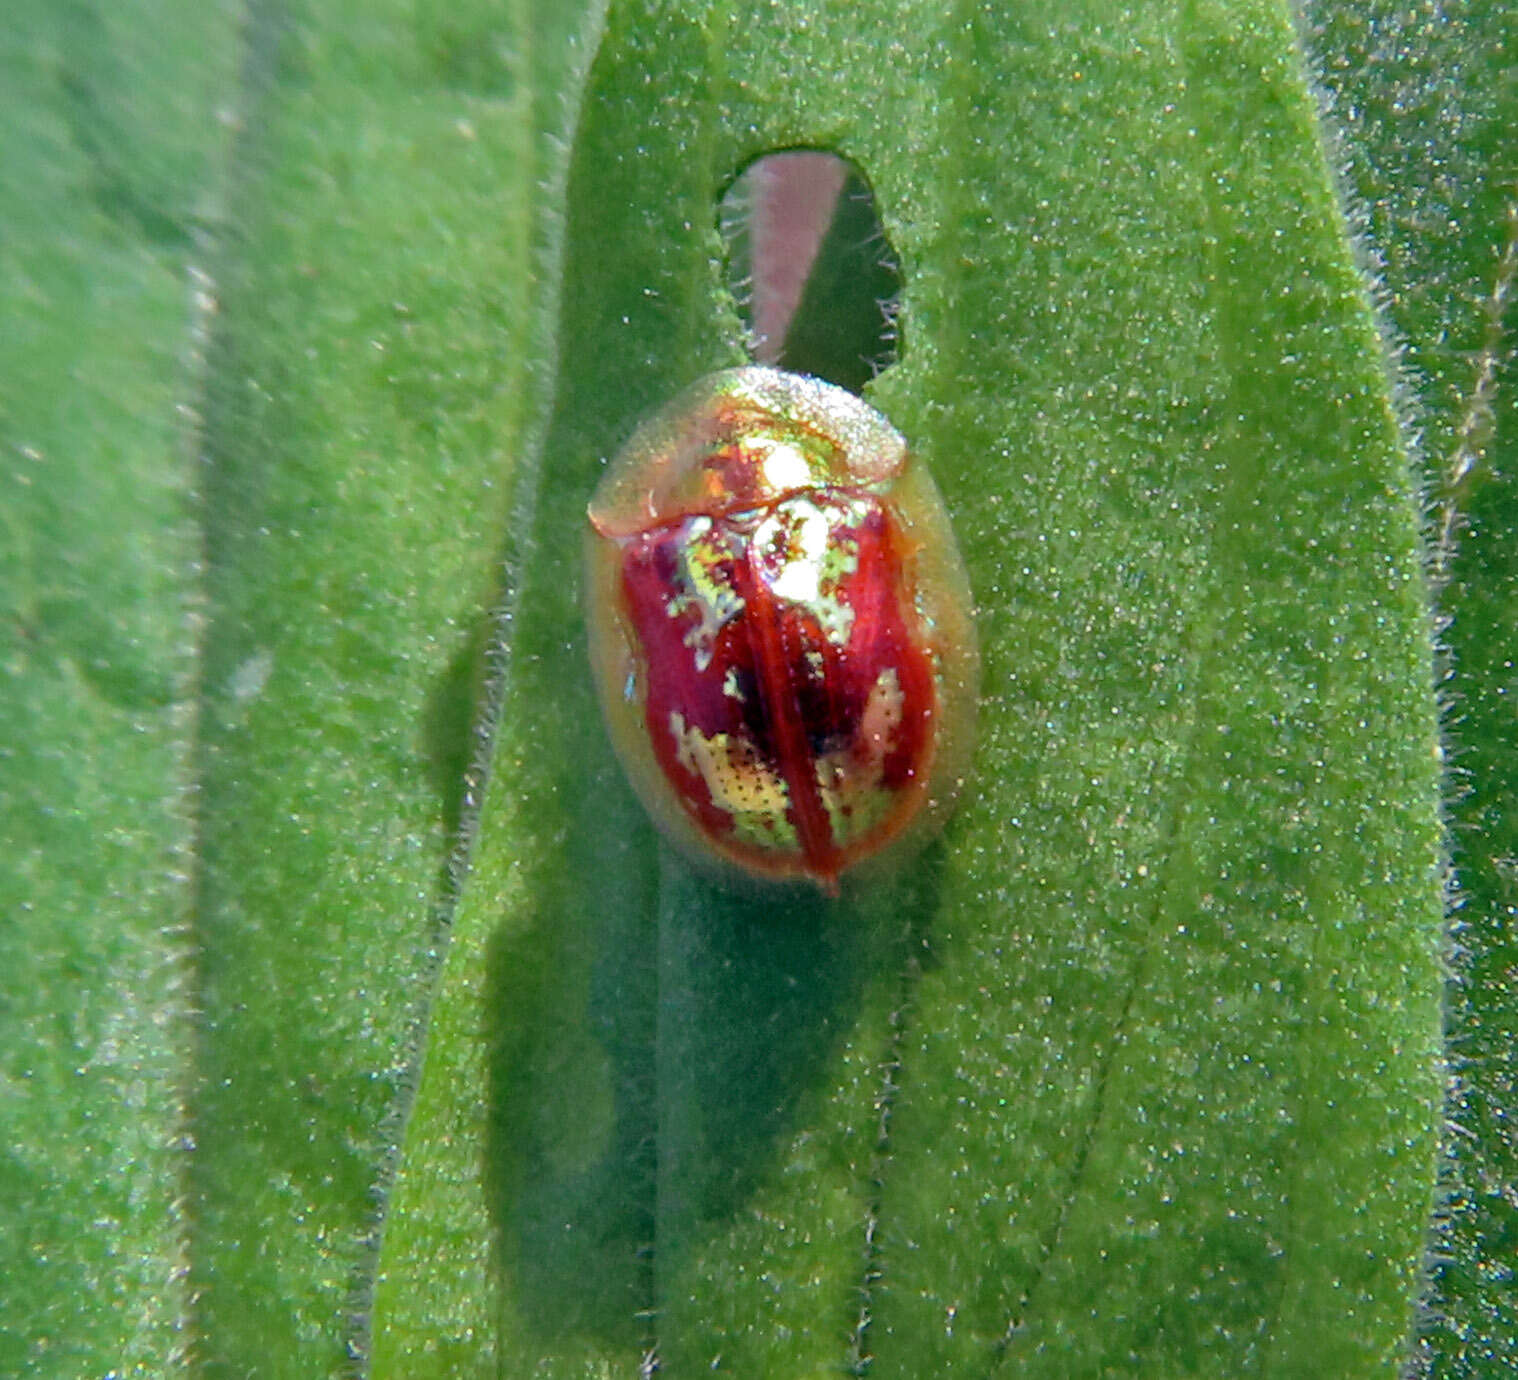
x=810 y=694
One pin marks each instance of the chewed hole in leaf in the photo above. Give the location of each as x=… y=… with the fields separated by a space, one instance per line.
x=808 y=263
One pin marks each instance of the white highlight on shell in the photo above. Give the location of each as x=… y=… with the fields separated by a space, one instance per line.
x=785 y=467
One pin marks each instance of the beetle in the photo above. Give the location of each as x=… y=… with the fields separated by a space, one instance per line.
x=781 y=629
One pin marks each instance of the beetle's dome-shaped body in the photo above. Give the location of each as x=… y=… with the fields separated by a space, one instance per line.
x=781 y=628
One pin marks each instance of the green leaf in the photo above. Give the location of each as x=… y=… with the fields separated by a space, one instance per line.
x=372 y=389
x=1143 y=1061
x=318 y=314
x=107 y=177
x=1427 y=103
x=1473 y=1316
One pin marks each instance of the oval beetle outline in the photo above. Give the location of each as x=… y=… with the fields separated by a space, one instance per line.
x=781 y=629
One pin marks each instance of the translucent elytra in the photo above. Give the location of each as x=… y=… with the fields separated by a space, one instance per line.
x=780 y=628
